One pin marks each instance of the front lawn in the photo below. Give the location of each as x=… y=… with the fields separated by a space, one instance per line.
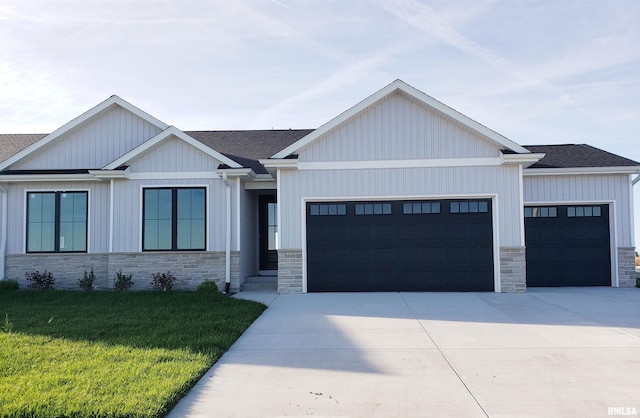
x=108 y=354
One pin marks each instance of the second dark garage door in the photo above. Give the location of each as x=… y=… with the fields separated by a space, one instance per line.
x=444 y=245
x=568 y=245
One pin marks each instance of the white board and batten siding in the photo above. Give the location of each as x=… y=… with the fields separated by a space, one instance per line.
x=98 y=226
x=573 y=189
x=394 y=129
x=401 y=183
x=174 y=155
x=127 y=203
x=93 y=144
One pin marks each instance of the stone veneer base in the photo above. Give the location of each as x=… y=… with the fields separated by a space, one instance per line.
x=627 y=266
x=190 y=268
x=513 y=271
x=290 y=271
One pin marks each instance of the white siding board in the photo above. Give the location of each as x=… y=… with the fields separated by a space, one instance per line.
x=400 y=183
x=174 y=155
x=586 y=188
x=98 y=228
x=127 y=224
x=93 y=144
x=397 y=128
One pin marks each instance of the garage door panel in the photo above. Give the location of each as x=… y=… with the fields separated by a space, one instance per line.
x=399 y=249
x=568 y=250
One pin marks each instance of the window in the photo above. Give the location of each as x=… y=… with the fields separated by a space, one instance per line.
x=173 y=219
x=56 y=222
x=327 y=209
x=412 y=208
x=583 y=211
x=469 y=206
x=373 y=208
x=541 y=212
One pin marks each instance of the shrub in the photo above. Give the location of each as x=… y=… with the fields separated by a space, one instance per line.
x=208 y=286
x=163 y=281
x=86 y=283
x=8 y=285
x=122 y=282
x=40 y=281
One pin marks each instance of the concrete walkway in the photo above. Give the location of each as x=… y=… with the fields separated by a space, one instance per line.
x=569 y=352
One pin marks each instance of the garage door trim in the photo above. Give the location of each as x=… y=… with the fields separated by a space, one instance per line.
x=613 y=244
x=494 y=222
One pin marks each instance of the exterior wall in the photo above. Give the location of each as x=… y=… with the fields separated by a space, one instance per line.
x=596 y=188
x=513 y=270
x=127 y=203
x=94 y=144
x=502 y=181
x=172 y=155
x=626 y=266
x=397 y=128
x=98 y=227
x=190 y=268
x=290 y=271
x=248 y=234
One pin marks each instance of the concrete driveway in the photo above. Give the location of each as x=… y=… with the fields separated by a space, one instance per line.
x=569 y=352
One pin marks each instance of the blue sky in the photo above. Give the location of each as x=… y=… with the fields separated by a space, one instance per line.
x=537 y=72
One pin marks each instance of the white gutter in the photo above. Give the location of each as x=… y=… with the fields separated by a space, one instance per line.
x=3 y=225
x=227 y=267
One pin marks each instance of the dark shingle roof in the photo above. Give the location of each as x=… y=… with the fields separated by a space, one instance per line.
x=577 y=155
x=247 y=147
x=11 y=144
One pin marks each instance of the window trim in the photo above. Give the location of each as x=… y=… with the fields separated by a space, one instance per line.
x=25 y=240
x=174 y=209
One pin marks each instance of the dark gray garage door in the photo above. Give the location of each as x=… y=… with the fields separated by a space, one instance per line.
x=443 y=245
x=568 y=245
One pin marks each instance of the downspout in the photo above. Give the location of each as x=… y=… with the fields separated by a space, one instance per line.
x=634 y=181
x=3 y=225
x=227 y=271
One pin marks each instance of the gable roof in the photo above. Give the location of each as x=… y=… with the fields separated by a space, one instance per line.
x=247 y=147
x=577 y=155
x=162 y=136
x=78 y=121
x=400 y=86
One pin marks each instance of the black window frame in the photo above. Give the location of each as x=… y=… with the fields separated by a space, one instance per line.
x=174 y=218
x=56 y=234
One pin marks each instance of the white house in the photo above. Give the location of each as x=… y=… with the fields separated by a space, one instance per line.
x=400 y=192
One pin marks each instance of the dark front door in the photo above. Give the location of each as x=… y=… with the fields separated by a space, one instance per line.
x=268 y=225
x=439 y=245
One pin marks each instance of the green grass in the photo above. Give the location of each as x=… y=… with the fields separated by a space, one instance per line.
x=108 y=354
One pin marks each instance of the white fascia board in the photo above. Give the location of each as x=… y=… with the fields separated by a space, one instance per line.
x=417 y=95
x=110 y=174
x=16 y=178
x=74 y=123
x=580 y=170
x=167 y=133
x=525 y=159
x=237 y=172
x=280 y=163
